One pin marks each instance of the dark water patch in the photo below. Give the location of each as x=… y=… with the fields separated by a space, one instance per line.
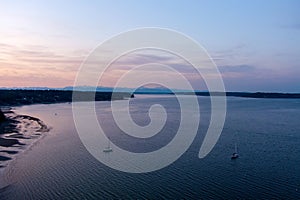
x=4 y=158
x=17 y=136
x=8 y=126
x=9 y=152
x=17 y=132
x=9 y=142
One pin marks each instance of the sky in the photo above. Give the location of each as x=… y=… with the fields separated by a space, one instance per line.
x=255 y=44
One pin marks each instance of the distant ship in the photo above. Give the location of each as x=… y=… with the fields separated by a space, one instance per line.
x=235 y=155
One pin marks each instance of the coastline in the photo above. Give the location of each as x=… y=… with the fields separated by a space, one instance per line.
x=19 y=97
x=9 y=173
x=16 y=130
x=19 y=132
x=16 y=133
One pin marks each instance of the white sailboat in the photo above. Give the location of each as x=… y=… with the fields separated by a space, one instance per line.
x=235 y=155
x=108 y=148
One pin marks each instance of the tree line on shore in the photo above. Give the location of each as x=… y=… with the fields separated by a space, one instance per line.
x=27 y=97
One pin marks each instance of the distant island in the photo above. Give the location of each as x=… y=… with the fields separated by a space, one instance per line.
x=251 y=95
x=229 y=94
x=266 y=95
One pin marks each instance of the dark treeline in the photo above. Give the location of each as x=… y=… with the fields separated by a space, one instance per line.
x=26 y=97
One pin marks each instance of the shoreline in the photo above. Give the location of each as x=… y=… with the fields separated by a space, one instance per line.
x=255 y=95
x=28 y=97
x=17 y=132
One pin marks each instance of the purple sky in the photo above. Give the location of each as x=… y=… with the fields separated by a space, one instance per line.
x=255 y=44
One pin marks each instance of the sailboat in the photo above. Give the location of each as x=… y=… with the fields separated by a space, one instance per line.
x=108 y=148
x=235 y=155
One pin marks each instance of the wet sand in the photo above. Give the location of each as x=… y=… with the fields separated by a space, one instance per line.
x=17 y=131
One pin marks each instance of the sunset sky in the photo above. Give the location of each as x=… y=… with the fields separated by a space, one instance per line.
x=255 y=44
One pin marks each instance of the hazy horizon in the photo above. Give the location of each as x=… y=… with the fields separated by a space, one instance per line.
x=128 y=89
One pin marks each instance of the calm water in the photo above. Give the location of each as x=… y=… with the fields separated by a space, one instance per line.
x=267 y=132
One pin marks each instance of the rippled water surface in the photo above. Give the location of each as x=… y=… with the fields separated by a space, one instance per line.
x=266 y=131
